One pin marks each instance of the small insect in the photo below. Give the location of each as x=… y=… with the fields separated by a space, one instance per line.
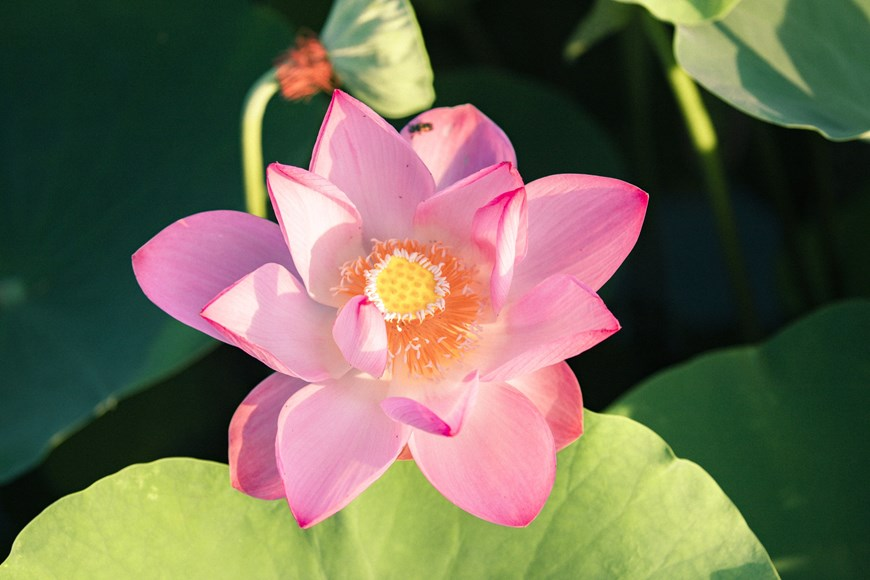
x=419 y=128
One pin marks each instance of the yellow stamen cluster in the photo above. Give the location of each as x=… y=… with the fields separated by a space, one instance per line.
x=427 y=297
x=406 y=286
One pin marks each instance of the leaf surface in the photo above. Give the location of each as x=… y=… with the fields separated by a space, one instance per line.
x=783 y=427
x=796 y=63
x=622 y=506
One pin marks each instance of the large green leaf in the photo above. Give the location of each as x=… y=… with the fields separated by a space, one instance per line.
x=686 y=11
x=117 y=120
x=783 y=427
x=797 y=63
x=622 y=507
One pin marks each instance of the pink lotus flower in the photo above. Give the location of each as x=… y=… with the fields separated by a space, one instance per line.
x=424 y=309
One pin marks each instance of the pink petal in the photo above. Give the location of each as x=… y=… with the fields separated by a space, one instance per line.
x=499 y=230
x=367 y=159
x=449 y=214
x=437 y=408
x=501 y=466
x=580 y=225
x=333 y=442
x=455 y=142
x=253 y=469
x=361 y=335
x=269 y=315
x=188 y=263
x=558 y=319
x=322 y=227
x=555 y=392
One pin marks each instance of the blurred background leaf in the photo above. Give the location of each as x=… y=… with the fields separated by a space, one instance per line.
x=622 y=506
x=797 y=63
x=119 y=121
x=783 y=428
x=378 y=53
x=603 y=19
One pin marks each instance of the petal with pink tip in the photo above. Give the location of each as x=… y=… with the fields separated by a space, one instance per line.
x=191 y=261
x=322 y=227
x=501 y=466
x=253 y=429
x=580 y=225
x=556 y=393
x=455 y=142
x=333 y=442
x=437 y=408
x=449 y=214
x=378 y=170
x=558 y=319
x=499 y=229
x=361 y=335
x=269 y=315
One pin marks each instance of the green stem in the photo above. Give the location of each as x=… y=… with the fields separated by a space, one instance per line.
x=705 y=143
x=252 y=141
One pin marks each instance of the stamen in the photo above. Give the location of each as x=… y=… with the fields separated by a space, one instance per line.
x=428 y=299
x=406 y=286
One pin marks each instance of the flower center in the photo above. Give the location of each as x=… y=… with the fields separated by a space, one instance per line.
x=428 y=299
x=406 y=286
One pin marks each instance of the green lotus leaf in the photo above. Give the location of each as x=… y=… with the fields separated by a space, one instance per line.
x=622 y=507
x=796 y=63
x=686 y=11
x=783 y=427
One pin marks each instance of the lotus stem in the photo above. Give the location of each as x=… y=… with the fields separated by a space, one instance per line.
x=253 y=111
